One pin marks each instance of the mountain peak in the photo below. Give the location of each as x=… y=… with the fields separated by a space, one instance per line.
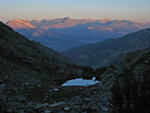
x=19 y=24
x=107 y=19
x=104 y=20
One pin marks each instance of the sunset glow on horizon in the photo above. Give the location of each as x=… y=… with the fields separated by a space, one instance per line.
x=135 y=10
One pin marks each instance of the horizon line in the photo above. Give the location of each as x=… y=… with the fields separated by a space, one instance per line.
x=94 y=19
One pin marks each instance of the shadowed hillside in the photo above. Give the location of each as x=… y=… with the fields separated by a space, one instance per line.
x=28 y=70
x=131 y=89
x=109 y=51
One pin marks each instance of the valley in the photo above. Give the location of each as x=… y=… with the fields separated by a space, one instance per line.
x=74 y=56
x=32 y=77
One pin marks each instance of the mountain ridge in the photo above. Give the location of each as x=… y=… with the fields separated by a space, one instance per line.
x=64 y=33
x=20 y=51
x=105 y=52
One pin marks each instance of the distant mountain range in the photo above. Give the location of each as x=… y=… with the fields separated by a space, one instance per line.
x=109 y=51
x=64 y=33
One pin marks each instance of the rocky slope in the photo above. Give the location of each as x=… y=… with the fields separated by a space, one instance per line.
x=123 y=88
x=17 y=49
x=65 y=33
x=29 y=72
x=131 y=89
x=109 y=51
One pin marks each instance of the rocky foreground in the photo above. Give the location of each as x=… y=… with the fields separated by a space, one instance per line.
x=31 y=76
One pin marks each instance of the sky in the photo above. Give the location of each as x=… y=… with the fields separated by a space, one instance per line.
x=135 y=10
